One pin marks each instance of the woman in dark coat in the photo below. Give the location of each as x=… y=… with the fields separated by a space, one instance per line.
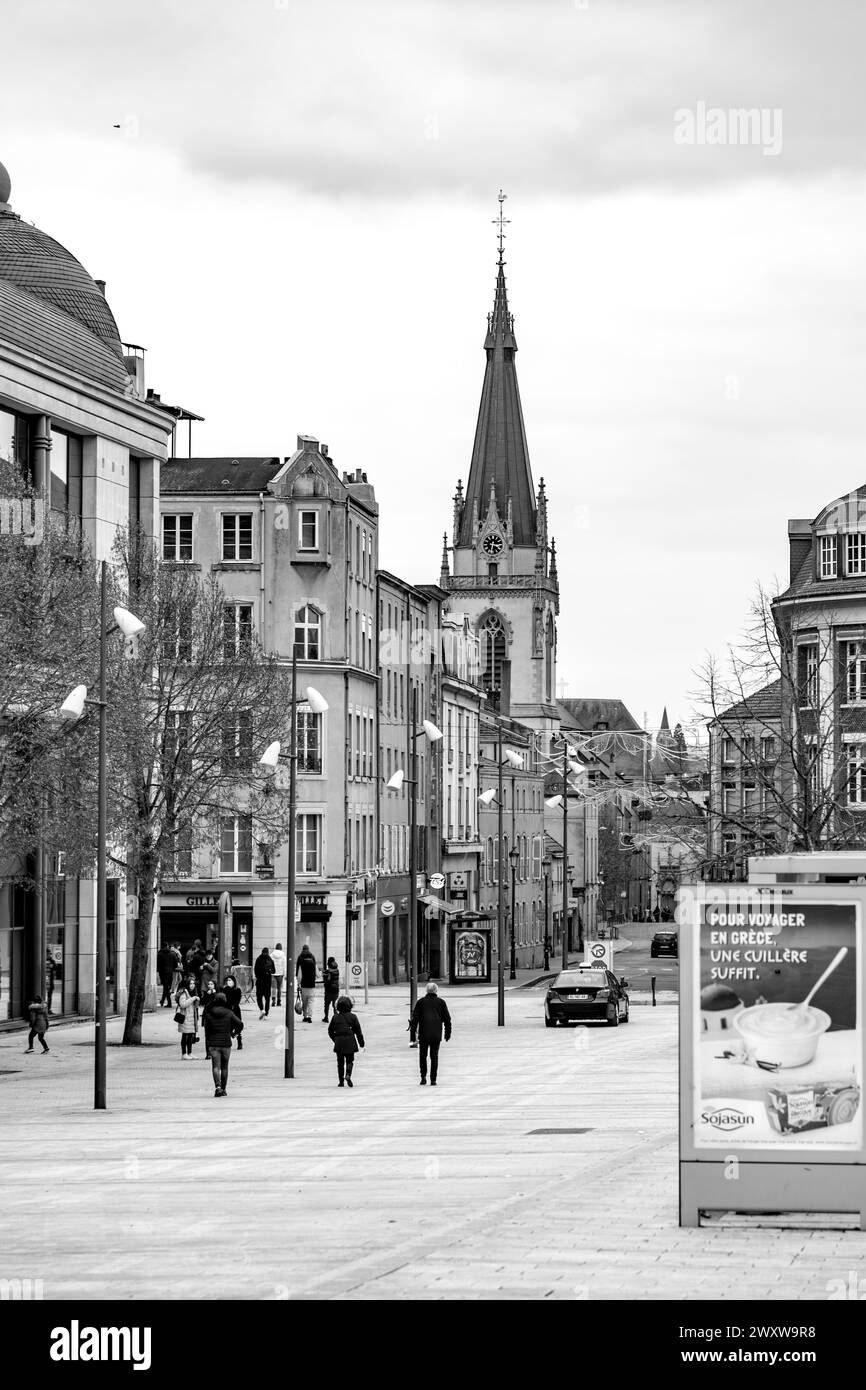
x=331 y=982
x=233 y=1001
x=345 y=1030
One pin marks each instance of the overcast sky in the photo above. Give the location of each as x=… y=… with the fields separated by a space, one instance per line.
x=294 y=219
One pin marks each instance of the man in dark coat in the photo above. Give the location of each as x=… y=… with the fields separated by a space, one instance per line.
x=222 y=1027
x=305 y=974
x=165 y=971
x=263 y=971
x=429 y=1017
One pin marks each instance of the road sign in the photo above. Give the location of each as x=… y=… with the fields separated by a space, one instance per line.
x=437 y=880
x=599 y=953
x=457 y=880
x=354 y=976
x=387 y=908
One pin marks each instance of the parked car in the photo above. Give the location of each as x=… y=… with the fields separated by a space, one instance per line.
x=584 y=994
x=665 y=943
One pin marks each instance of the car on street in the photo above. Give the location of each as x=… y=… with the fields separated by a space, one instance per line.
x=665 y=943
x=584 y=994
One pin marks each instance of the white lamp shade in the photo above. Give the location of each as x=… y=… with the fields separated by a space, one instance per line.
x=318 y=704
x=512 y=757
x=486 y=798
x=128 y=623
x=395 y=781
x=73 y=705
x=576 y=769
x=553 y=801
x=431 y=731
x=271 y=755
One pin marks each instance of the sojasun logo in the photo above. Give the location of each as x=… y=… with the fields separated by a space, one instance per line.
x=76 y=1343
x=726 y=1118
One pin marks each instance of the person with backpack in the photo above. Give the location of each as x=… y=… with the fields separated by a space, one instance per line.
x=429 y=1017
x=331 y=982
x=347 y=1037
x=263 y=971
x=37 y=1012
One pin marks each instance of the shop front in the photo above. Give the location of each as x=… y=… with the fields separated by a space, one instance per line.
x=189 y=916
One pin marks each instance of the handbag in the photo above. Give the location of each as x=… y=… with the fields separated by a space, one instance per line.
x=299 y=1007
x=179 y=1015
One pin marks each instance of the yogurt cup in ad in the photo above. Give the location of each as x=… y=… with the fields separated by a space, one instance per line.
x=781 y=1035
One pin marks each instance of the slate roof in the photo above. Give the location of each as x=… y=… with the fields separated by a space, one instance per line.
x=34 y=326
x=764 y=704
x=584 y=714
x=500 y=454
x=218 y=475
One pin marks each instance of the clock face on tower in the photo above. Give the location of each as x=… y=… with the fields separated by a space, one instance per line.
x=492 y=544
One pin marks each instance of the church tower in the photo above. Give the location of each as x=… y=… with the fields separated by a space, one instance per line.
x=503 y=567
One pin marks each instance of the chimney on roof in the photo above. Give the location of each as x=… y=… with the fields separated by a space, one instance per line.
x=323 y=450
x=800 y=543
x=100 y=285
x=306 y=441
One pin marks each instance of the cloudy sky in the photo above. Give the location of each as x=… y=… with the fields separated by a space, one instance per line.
x=294 y=218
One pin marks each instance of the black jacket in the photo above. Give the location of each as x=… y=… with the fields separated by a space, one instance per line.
x=345 y=1030
x=165 y=961
x=263 y=967
x=331 y=979
x=222 y=1025
x=233 y=998
x=306 y=963
x=429 y=1017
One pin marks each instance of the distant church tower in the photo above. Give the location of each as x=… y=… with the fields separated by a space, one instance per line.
x=503 y=571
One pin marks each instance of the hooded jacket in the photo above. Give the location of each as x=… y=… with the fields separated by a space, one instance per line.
x=345 y=1030
x=263 y=967
x=222 y=1025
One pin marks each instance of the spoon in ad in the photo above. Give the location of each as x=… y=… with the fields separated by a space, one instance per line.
x=839 y=956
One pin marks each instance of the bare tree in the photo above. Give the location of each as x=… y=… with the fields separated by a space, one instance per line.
x=193 y=702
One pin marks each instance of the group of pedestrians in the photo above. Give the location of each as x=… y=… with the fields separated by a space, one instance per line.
x=200 y=1002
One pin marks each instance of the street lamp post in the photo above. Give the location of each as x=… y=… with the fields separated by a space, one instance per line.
x=513 y=859
x=510 y=759
x=561 y=799
x=545 y=865
x=128 y=625
x=269 y=759
x=395 y=783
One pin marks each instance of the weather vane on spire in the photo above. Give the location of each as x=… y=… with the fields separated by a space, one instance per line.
x=501 y=221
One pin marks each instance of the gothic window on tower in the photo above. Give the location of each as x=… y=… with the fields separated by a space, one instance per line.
x=493 y=651
x=548 y=657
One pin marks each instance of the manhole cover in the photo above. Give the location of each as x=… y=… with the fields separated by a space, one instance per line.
x=559 y=1131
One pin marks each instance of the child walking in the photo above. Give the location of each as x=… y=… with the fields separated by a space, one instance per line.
x=345 y=1030
x=38 y=1023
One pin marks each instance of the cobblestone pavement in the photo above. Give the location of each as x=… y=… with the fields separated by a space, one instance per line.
x=297 y=1189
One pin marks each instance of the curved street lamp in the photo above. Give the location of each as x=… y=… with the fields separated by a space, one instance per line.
x=514 y=860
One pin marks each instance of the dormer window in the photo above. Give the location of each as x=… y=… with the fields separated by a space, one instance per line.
x=856 y=553
x=827 y=568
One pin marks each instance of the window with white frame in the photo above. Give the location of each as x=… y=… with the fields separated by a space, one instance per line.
x=536 y=857
x=308 y=843
x=855 y=553
x=177 y=536
x=826 y=557
x=238 y=536
x=729 y=749
x=308 y=634
x=237 y=742
x=856 y=759
x=177 y=756
x=768 y=748
x=855 y=672
x=308 y=530
x=236 y=845
x=237 y=630
x=750 y=799
x=729 y=798
x=176 y=634
x=807 y=659
x=180 y=849
x=309 y=731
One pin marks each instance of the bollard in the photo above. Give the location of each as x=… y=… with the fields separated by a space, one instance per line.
x=653 y=982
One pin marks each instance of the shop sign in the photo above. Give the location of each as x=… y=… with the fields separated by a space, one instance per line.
x=437 y=880
x=387 y=908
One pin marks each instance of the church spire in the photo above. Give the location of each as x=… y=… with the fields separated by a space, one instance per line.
x=500 y=455
x=444 y=571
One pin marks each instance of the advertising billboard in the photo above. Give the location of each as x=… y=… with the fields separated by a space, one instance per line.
x=776 y=1024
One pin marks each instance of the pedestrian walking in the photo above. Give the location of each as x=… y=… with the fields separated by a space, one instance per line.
x=263 y=971
x=209 y=970
x=305 y=974
x=165 y=971
x=429 y=1018
x=37 y=1012
x=233 y=995
x=187 y=1005
x=224 y=1025
x=345 y=1032
x=208 y=995
x=331 y=984
x=281 y=965
x=52 y=971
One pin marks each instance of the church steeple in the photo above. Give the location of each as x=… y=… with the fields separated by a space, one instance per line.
x=500 y=455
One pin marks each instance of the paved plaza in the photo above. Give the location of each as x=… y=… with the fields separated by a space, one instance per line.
x=297 y=1189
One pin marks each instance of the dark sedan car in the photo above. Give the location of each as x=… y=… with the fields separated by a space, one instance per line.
x=664 y=943
x=579 y=996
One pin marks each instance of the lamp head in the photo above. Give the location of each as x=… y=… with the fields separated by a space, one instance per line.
x=431 y=731
x=514 y=857
x=546 y=862
x=271 y=755
x=128 y=623
x=487 y=798
x=553 y=802
x=318 y=704
x=395 y=781
x=513 y=757
x=73 y=705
